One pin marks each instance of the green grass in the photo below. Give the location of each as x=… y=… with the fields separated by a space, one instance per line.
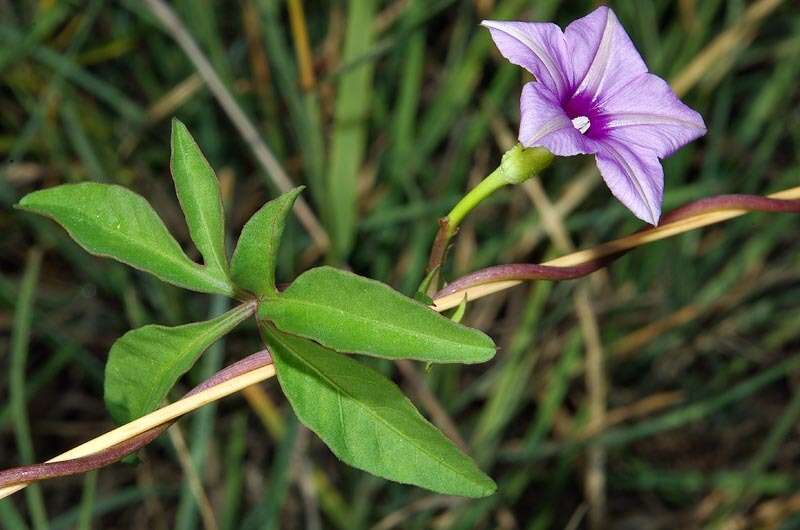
x=411 y=105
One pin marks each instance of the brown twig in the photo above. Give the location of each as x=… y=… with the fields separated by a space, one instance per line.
x=439 y=247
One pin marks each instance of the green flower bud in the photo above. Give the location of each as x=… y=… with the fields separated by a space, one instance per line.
x=521 y=163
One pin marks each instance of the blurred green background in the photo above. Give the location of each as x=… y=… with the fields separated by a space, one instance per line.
x=392 y=109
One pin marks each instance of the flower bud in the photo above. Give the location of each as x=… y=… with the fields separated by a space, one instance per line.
x=521 y=163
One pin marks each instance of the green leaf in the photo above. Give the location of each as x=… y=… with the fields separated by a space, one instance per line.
x=112 y=221
x=253 y=263
x=458 y=314
x=367 y=421
x=145 y=363
x=350 y=313
x=198 y=193
x=424 y=288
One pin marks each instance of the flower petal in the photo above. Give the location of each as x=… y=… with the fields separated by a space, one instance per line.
x=646 y=112
x=635 y=177
x=603 y=57
x=539 y=47
x=543 y=123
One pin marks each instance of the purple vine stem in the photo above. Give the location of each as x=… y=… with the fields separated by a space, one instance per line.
x=534 y=271
x=513 y=271
x=108 y=456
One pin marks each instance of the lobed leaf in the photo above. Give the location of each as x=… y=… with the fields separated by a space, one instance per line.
x=112 y=221
x=367 y=421
x=198 y=192
x=350 y=313
x=253 y=263
x=145 y=363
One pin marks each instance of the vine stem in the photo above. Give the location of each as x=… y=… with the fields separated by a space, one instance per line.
x=125 y=439
x=695 y=215
x=257 y=368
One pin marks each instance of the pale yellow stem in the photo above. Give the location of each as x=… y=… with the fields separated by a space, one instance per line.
x=606 y=249
x=238 y=383
x=159 y=417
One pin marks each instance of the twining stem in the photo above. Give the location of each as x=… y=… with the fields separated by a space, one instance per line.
x=518 y=165
x=438 y=251
x=695 y=215
x=112 y=446
x=130 y=437
x=720 y=46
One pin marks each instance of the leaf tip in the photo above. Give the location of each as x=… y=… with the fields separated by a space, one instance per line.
x=179 y=134
x=27 y=203
x=489 y=354
x=481 y=486
x=176 y=125
x=486 y=350
x=487 y=487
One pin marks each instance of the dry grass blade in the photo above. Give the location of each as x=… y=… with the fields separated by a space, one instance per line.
x=173 y=99
x=596 y=379
x=195 y=483
x=722 y=45
x=302 y=47
x=175 y=27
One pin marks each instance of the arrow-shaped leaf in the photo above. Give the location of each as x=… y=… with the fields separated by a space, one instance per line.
x=350 y=313
x=145 y=363
x=109 y=220
x=367 y=421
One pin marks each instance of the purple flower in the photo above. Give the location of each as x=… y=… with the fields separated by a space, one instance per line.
x=593 y=95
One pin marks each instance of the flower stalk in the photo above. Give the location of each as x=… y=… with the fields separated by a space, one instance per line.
x=517 y=165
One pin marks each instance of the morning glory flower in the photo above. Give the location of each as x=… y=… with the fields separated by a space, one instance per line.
x=593 y=95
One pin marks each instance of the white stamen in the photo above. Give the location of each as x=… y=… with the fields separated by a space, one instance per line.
x=581 y=123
